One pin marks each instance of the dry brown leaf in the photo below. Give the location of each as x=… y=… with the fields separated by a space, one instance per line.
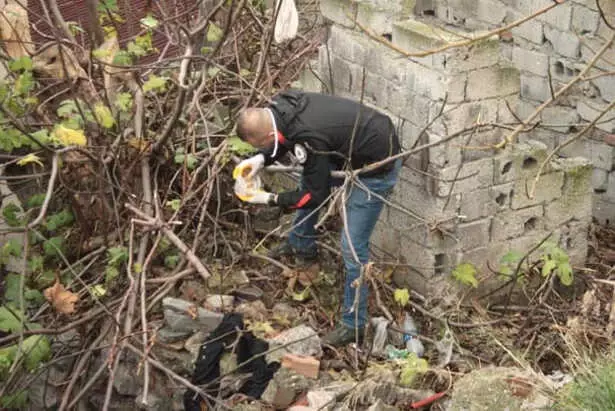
x=60 y=298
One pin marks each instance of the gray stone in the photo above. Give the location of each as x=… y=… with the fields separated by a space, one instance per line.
x=220 y=302
x=584 y=20
x=514 y=223
x=193 y=344
x=285 y=310
x=321 y=400
x=492 y=82
x=474 y=234
x=590 y=109
x=532 y=61
x=472 y=175
x=182 y=315
x=167 y=335
x=491 y=388
x=285 y=386
x=564 y=43
x=126 y=381
x=548 y=188
x=254 y=310
x=154 y=401
x=574 y=240
x=250 y=293
x=235 y=278
x=308 y=343
x=559 y=118
x=535 y=88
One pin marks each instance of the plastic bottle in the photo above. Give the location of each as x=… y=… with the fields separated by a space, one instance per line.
x=413 y=344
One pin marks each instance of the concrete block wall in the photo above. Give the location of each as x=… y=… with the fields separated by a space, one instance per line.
x=462 y=201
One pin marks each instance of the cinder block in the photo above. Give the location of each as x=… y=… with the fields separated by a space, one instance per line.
x=560 y=118
x=574 y=240
x=427 y=82
x=466 y=115
x=507 y=109
x=342 y=75
x=559 y=17
x=378 y=17
x=590 y=109
x=516 y=223
x=610 y=190
x=489 y=11
x=473 y=204
x=565 y=43
x=376 y=89
x=456 y=88
x=482 y=54
x=464 y=178
x=520 y=162
x=444 y=154
x=531 y=30
x=600 y=178
x=535 y=88
x=474 y=234
x=590 y=46
x=531 y=61
x=524 y=244
x=412 y=35
x=604 y=210
x=492 y=82
x=585 y=20
x=338 y=11
x=386 y=240
x=548 y=188
x=606 y=85
x=424 y=205
x=422 y=259
x=576 y=200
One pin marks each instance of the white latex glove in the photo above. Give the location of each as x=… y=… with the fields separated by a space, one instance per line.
x=260 y=197
x=249 y=167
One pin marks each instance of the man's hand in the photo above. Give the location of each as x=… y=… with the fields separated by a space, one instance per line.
x=249 y=167
x=260 y=197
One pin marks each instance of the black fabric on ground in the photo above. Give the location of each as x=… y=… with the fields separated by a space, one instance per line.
x=207 y=366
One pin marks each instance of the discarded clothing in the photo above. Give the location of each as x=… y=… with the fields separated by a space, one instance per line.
x=206 y=373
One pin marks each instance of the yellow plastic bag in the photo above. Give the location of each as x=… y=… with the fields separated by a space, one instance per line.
x=246 y=187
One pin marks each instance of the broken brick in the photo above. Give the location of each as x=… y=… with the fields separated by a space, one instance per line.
x=304 y=365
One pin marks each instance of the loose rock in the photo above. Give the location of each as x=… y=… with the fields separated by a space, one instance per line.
x=193 y=344
x=285 y=386
x=167 y=335
x=182 y=315
x=220 y=302
x=254 y=310
x=307 y=343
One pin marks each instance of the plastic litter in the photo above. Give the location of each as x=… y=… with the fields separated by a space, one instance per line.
x=380 y=325
x=413 y=344
x=287 y=23
x=244 y=187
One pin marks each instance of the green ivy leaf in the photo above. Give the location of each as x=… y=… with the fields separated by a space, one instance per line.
x=117 y=255
x=401 y=296
x=58 y=220
x=149 y=21
x=174 y=204
x=36 y=200
x=53 y=246
x=212 y=72
x=34 y=296
x=206 y=50
x=171 y=261
x=111 y=273
x=24 y=83
x=10 y=320
x=564 y=272
x=12 y=248
x=122 y=58
x=42 y=136
x=155 y=83
x=10 y=213
x=511 y=257
x=412 y=367
x=240 y=147
x=11 y=287
x=189 y=159
x=124 y=101
x=36 y=349
x=104 y=115
x=214 y=33
x=21 y=63
x=465 y=273
x=46 y=279
x=548 y=266
x=15 y=401
x=35 y=264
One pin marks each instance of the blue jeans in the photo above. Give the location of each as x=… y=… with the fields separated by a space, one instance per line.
x=362 y=211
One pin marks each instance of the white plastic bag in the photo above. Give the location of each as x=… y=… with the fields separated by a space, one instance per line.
x=246 y=187
x=287 y=23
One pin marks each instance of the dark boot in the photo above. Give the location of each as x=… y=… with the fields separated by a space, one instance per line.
x=301 y=257
x=343 y=335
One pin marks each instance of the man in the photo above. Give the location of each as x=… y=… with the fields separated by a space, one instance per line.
x=325 y=133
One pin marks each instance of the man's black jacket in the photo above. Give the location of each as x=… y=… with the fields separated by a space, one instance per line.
x=325 y=133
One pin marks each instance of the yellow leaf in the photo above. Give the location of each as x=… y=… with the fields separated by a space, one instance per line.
x=69 y=137
x=30 y=158
x=104 y=116
x=60 y=298
x=401 y=296
x=139 y=144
